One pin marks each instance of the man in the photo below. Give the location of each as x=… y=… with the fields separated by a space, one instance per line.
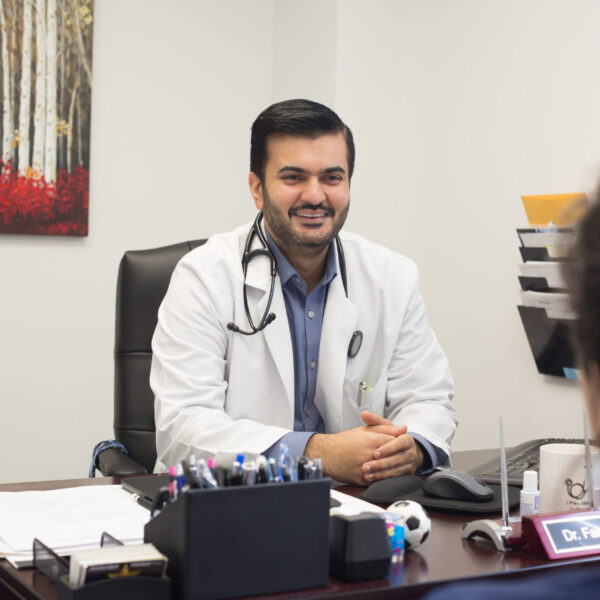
x=583 y=276
x=261 y=340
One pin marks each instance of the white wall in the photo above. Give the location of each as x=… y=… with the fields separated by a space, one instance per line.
x=457 y=107
x=460 y=108
x=176 y=87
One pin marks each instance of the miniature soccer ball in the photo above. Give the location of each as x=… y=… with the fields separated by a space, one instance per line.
x=416 y=522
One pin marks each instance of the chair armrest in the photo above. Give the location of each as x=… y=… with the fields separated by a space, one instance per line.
x=114 y=462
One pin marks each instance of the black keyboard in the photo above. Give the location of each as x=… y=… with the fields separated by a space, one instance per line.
x=524 y=457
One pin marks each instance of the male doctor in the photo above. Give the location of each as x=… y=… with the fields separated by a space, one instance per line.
x=283 y=331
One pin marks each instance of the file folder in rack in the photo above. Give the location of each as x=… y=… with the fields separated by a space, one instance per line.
x=119 y=588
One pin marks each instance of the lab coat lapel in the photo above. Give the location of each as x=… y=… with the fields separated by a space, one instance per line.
x=339 y=322
x=277 y=333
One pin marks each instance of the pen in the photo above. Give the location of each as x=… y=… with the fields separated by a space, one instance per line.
x=303 y=466
x=362 y=387
x=273 y=469
x=161 y=498
x=194 y=467
x=190 y=479
x=249 y=473
x=172 y=484
x=180 y=478
x=263 y=473
x=285 y=463
x=318 y=465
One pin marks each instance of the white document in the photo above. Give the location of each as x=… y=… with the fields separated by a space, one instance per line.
x=556 y=242
x=551 y=271
x=349 y=505
x=69 y=518
x=556 y=304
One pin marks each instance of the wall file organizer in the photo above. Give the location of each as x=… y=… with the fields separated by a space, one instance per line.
x=245 y=540
x=549 y=342
x=547 y=327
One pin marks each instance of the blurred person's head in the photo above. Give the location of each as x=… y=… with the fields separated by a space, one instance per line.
x=583 y=275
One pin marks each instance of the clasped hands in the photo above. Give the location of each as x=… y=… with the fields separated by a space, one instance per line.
x=374 y=451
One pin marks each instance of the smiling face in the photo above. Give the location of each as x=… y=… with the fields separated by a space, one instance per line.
x=305 y=194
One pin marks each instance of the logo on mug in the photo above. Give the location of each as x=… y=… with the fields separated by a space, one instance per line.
x=576 y=490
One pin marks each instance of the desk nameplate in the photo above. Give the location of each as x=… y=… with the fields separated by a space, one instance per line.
x=562 y=535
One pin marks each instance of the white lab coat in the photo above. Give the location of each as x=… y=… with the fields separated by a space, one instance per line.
x=216 y=390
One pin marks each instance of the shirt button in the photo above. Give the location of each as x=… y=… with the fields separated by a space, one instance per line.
x=297 y=280
x=307 y=412
x=313 y=364
x=311 y=314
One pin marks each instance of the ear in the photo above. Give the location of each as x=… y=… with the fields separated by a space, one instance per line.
x=255 y=185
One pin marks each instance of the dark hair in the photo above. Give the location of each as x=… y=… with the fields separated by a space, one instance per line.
x=303 y=118
x=583 y=276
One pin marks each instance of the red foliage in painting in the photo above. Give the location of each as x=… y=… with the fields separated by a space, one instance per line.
x=30 y=204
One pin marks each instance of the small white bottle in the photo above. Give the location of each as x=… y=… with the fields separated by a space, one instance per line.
x=530 y=495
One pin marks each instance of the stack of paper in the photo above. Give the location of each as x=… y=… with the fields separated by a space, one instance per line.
x=94 y=564
x=66 y=519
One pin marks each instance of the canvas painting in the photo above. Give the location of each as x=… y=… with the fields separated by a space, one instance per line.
x=46 y=79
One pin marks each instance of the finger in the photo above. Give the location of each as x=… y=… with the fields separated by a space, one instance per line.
x=399 y=464
x=401 y=443
x=390 y=430
x=372 y=420
x=405 y=469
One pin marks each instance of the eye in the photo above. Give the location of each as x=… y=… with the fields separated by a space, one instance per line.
x=332 y=178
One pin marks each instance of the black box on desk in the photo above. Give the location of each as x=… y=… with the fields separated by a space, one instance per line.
x=245 y=540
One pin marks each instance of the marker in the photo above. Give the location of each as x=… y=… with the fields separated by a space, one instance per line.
x=318 y=465
x=193 y=467
x=263 y=473
x=161 y=498
x=180 y=478
x=173 y=491
x=303 y=468
x=249 y=473
x=273 y=470
x=191 y=480
x=285 y=463
x=206 y=476
x=211 y=464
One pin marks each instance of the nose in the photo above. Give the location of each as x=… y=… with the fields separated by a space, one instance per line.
x=313 y=191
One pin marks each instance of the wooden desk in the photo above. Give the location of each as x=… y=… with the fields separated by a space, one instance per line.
x=443 y=558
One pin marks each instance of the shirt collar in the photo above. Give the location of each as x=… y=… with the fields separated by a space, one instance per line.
x=287 y=272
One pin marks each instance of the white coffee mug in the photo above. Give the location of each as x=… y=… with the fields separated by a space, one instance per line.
x=563 y=480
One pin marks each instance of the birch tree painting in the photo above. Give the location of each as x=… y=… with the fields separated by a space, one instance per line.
x=46 y=68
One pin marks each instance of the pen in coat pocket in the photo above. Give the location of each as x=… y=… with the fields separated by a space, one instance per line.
x=362 y=387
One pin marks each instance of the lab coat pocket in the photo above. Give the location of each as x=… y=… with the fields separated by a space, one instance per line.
x=366 y=396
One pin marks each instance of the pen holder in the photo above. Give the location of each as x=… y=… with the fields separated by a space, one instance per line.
x=245 y=540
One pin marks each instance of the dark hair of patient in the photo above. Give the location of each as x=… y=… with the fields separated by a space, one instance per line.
x=303 y=118
x=583 y=276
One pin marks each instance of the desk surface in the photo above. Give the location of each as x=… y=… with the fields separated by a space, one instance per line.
x=444 y=557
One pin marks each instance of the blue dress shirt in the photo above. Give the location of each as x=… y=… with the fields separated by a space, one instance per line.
x=305 y=319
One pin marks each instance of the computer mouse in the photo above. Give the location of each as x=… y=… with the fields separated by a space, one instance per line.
x=454 y=485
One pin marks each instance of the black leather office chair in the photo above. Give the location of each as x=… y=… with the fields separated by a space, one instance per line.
x=143 y=280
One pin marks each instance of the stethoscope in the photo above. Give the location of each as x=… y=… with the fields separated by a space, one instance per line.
x=269 y=317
